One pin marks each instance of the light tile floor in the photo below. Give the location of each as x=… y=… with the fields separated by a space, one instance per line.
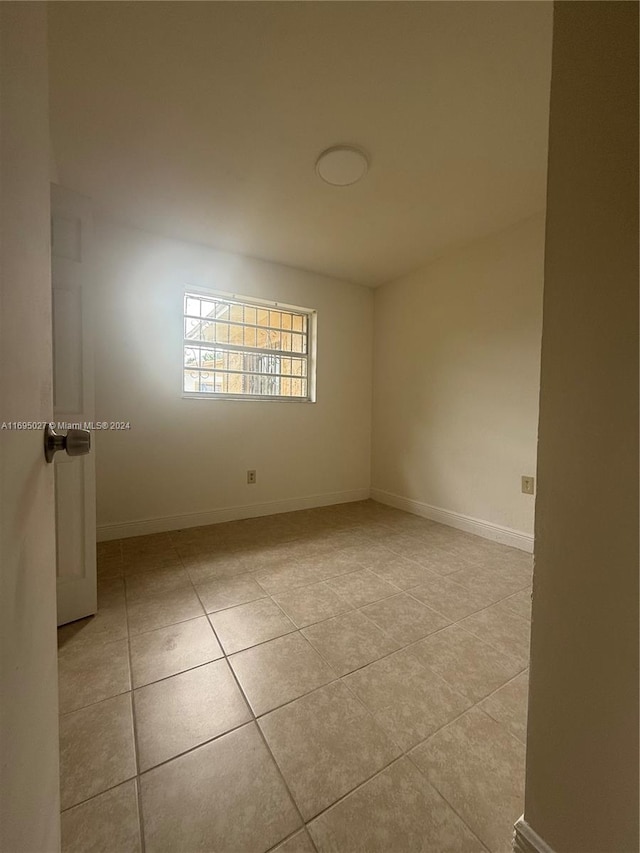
x=349 y=679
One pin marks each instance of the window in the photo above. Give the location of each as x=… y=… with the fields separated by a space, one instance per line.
x=239 y=348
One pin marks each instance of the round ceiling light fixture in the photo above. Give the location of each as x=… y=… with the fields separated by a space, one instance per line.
x=342 y=165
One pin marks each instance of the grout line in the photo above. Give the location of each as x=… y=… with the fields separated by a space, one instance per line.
x=261 y=733
x=446 y=801
x=355 y=788
x=301 y=829
x=136 y=751
x=299 y=630
x=179 y=672
x=168 y=625
x=493 y=692
x=93 y=704
x=100 y=793
x=357 y=525
x=195 y=747
x=267 y=746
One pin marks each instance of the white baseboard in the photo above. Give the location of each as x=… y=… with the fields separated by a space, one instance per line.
x=146 y=526
x=527 y=840
x=488 y=530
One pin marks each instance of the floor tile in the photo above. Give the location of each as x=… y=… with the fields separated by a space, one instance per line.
x=298 y=843
x=407 y=543
x=108 y=624
x=450 y=598
x=362 y=587
x=151 y=583
x=226 y=796
x=478 y=767
x=336 y=563
x=520 y=603
x=107 y=823
x=508 y=705
x=96 y=749
x=515 y=558
x=249 y=624
x=310 y=604
x=395 y=812
x=502 y=629
x=349 y=641
x=276 y=672
x=111 y=593
x=467 y=663
x=401 y=572
x=109 y=550
x=91 y=673
x=181 y=712
x=325 y=744
x=442 y=562
x=347 y=538
x=221 y=593
x=407 y=700
x=404 y=618
x=407 y=680
x=164 y=608
x=109 y=567
x=496 y=584
x=375 y=555
x=292 y=575
x=167 y=651
x=230 y=564
x=133 y=564
x=203 y=567
x=148 y=544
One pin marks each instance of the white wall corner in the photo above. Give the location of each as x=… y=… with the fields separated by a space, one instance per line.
x=477 y=526
x=526 y=840
x=144 y=527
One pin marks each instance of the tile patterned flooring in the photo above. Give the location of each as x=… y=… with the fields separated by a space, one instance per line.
x=349 y=679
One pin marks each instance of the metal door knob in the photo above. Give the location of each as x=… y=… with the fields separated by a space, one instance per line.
x=76 y=442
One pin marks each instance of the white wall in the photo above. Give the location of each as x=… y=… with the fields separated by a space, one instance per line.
x=582 y=740
x=29 y=781
x=456 y=377
x=184 y=457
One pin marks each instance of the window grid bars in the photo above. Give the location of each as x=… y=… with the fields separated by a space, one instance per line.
x=224 y=371
x=223 y=345
x=257 y=383
x=243 y=325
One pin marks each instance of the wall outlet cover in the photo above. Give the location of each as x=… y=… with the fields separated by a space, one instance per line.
x=528 y=485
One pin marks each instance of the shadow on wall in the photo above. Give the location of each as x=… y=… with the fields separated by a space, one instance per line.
x=456 y=379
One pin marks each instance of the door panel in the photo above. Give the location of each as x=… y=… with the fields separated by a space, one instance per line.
x=29 y=789
x=71 y=265
x=67 y=347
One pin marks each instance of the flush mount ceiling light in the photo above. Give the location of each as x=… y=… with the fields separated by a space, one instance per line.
x=342 y=165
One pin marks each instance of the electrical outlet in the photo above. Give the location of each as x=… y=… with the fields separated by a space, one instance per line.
x=251 y=477
x=528 y=485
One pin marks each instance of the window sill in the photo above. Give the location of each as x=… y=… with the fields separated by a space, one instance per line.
x=245 y=398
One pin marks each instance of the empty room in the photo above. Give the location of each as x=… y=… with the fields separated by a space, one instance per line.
x=319 y=427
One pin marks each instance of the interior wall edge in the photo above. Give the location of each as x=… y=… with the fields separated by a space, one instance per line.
x=144 y=527
x=477 y=526
x=527 y=840
x=460 y=247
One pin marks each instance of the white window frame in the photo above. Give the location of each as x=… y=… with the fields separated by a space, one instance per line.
x=311 y=355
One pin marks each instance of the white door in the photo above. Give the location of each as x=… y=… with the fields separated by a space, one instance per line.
x=73 y=401
x=29 y=798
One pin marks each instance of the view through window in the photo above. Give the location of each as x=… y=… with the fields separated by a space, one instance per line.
x=237 y=348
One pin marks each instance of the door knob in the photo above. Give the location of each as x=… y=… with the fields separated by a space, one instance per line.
x=76 y=442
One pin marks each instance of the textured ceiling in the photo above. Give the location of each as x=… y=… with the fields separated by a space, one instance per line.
x=203 y=121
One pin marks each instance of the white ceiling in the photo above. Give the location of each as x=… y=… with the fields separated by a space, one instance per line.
x=203 y=121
